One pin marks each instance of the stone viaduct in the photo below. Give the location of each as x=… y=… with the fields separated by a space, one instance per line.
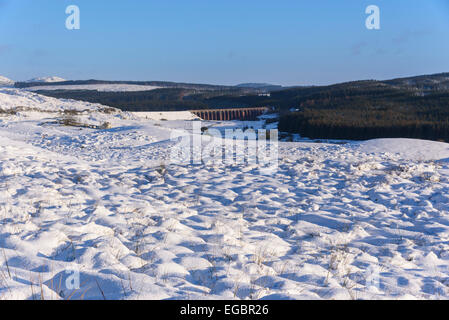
x=244 y=114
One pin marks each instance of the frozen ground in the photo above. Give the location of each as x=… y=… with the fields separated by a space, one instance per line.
x=363 y=220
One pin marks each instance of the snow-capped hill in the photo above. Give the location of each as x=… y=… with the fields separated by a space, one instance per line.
x=46 y=80
x=5 y=82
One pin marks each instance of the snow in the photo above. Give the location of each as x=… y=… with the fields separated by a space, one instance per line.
x=5 y=82
x=363 y=220
x=161 y=116
x=11 y=99
x=97 y=87
x=412 y=149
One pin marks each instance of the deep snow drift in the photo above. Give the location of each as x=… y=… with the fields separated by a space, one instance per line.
x=363 y=220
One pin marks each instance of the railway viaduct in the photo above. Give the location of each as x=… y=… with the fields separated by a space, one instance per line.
x=244 y=114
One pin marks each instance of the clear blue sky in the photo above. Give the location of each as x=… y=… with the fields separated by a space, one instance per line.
x=290 y=42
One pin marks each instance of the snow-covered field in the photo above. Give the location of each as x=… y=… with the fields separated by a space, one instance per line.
x=366 y=220
x=162 y=116
x=96 y=87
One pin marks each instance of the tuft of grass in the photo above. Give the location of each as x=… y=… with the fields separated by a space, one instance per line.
x=108 y=110
x=70 y=121
x=106 y=125
x=6 y=263
x=162 y=171
x=101 y=290
x=72 y=112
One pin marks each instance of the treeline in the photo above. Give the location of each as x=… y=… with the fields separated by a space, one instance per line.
x=368 y=112
x=139 y=101
x=165 y=99
x=311 y=124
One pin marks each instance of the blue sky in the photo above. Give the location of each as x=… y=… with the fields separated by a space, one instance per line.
x=290 y=42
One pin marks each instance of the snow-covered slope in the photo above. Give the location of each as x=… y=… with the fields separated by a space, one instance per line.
x=419 y=150
x=19 y=105
x=47 y=79
x=359 y=220
x=15 y=98
x=5 y=82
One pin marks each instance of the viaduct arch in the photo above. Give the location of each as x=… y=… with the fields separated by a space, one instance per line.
x=243 y=114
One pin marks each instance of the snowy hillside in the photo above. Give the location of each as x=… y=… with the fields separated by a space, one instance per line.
x=15 y=98
x=18 y=105
x=365 y=220
x=5 y=82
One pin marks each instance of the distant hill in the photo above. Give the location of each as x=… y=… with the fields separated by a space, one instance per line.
x=164 y=84
x=435 y=82
x=46 y=80
x=245 y=88
x=261 y=86
x=169 y=95
x=412 y=107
